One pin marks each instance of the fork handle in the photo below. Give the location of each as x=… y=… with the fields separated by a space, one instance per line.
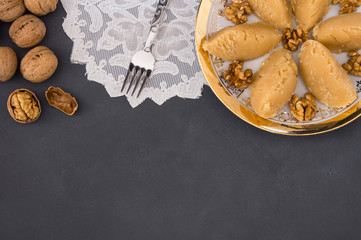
x=155 y=24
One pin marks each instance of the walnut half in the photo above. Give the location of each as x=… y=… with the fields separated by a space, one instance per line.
x=61 y=100
x=303 y=109
x=237 y=11
x=291 y=38
x=353 y=65
x=236 y=77
x=347 y=6
x=24 y=106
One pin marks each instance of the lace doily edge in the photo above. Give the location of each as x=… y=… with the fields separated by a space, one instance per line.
x=156 y=95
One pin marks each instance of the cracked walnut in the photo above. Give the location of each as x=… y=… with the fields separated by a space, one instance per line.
x=23 y=106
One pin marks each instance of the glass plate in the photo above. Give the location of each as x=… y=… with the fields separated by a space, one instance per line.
x=209 y=21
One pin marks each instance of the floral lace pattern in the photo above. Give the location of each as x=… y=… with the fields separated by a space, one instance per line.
x=106 y=33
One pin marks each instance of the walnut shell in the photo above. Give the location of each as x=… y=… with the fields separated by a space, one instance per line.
x=24 y=106
x=39 y=64
x=8 y=63
x=27 y=31
x=61 y=100
x=11 y=9
x=41 y=7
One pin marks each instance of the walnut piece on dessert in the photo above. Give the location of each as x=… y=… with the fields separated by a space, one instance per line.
x=347 y=6
x=237 y=11
x=303 y=109
x=237 y=77
x=292 y=38
x=353 y=65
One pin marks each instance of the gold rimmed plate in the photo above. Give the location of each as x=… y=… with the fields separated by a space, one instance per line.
x=327 y=119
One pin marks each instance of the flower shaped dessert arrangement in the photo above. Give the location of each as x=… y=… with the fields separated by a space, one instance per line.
x=273 y=86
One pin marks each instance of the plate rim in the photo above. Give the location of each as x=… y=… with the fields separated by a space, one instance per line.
x=243 y=113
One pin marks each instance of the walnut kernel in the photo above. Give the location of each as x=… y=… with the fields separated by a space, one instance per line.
x=11 y=9
x=41 y=7
x=61 y=100
x=236 y=77
x=237 y=11
x=303 y=109
x=347 y=6
x=353 y=65
x=24 y=106
x=8 y=63
x=39 y=64
x=292 y=38
x=27 y=31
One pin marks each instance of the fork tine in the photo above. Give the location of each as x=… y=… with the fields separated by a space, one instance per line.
x=139 y=80
x=135 y=74
x=144 y=81
x=130 y=69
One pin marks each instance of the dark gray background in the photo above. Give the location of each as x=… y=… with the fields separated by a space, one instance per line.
x=188 y=169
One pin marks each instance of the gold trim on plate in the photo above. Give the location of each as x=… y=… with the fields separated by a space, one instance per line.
x=243 y=113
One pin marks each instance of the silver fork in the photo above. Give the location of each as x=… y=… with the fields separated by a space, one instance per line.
x=142 y=64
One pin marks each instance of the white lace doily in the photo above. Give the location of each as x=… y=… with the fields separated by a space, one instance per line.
x=106 y=33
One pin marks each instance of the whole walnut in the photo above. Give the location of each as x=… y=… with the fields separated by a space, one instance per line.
x=8 y=63
x=11 y=9
x=27 y=31
x=41 y=7
x=39 y=64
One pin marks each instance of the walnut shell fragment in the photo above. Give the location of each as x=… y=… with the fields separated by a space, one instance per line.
x=61 y=100
x=8 y=63
x=27 y=31
x=24 y=106
x=39 y=64
x=41 y=7
x=11 y=10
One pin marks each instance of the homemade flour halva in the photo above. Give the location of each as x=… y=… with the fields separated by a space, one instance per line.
x=341 y=33
x=328 y=82
x=275 y=12
x=310 y=12
x=243 y=42
x=274 y=83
